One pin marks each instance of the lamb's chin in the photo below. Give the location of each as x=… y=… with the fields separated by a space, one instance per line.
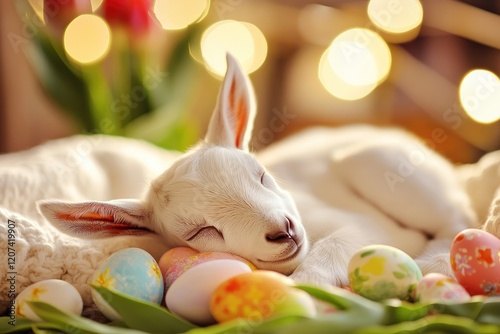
x=286 y=265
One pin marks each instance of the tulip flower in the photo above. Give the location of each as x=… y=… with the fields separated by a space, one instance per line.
x=134 y=15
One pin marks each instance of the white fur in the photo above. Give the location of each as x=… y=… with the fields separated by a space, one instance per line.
x=353 y=186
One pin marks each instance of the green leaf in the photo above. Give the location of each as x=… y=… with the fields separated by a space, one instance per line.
x=397 y=311
x=343 y=299
x=226 y=328
x=171 y=89
x=489 y=312
x=38 y=330
x=143 y=315
x=22 y=325
x=273 y=324
x=471 y=309
x=340 y=323
x=433 y=324
x=72 y=323
x=178 y=81
x=238 y=326
x=60 y=83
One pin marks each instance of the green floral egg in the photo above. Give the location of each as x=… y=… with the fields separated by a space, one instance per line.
x=379 y=272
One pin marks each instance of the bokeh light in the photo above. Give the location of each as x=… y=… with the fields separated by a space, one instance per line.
x=358 y=60
x=96 y=4
x=396 y=16
x=87 y=39
x=243 y=40
x=480 y=96
x=338 y=87
x=175 y=14
x=37 y=7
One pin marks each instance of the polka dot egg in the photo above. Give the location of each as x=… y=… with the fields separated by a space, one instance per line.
x=474 y=258
x=380 y=272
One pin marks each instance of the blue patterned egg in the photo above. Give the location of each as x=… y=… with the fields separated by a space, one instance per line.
x=379 y=272
x=131 y=271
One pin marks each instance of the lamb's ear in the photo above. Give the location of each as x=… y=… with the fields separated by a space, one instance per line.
x=232 y=121
x=95 y=220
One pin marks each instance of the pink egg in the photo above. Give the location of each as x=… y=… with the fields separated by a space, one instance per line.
x=174 y=255
x=436 y=287
x=181 y=266
x=475 y=260
x=190 y=295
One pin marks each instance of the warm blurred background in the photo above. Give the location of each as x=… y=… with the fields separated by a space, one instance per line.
x=151 y=69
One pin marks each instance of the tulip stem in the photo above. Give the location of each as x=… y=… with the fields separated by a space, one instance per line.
x=99 y=96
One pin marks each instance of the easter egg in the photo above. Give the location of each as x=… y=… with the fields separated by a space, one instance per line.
x=57 y=293
x=474 y=258
x=189 y=296
x=174 y=255
x=172 y=273
x=379 y=272
x=130 y=271
x=440 y=288
x=259 y=295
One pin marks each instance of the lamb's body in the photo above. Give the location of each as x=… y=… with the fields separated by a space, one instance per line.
x=353 y=186
x=117 y=168
x=361 y=185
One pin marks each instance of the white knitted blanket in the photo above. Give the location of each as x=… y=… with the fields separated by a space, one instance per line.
x=76 y=168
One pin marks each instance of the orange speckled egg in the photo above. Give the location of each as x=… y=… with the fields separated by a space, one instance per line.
x=475 y=260
x=259 y=295
x=181 y=266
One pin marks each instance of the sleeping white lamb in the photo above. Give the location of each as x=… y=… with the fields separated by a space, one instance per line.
x=346 y=188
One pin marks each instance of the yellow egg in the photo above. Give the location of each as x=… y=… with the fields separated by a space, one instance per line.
x=259 y=295
x=380 y=272
x=57 y=293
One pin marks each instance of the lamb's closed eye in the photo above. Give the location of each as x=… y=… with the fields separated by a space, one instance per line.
x=262 y=177
x=205 y=232
x=265 y=179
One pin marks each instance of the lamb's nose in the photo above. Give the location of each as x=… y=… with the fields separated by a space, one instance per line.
x=278 y=236
x=282 y=235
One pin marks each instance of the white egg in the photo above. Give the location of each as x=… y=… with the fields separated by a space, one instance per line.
x=57 y=293
x=189 y=296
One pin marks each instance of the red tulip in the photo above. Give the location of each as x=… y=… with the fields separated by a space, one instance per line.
x=134 y=15
x=59 y=13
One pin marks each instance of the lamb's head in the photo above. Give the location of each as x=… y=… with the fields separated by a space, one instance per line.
x=216 y=197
